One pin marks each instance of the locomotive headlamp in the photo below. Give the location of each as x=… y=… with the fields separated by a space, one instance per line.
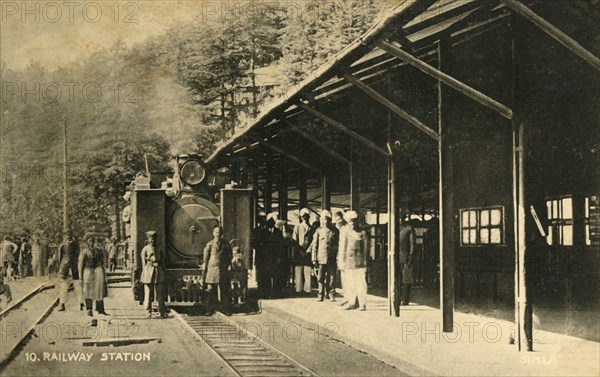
x=192 y=173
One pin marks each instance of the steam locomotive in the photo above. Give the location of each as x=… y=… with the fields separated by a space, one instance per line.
x=184 y=211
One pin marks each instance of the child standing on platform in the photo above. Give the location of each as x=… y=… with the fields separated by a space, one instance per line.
x=239 y=277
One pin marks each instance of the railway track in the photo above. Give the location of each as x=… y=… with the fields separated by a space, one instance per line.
x=18 y=322
x=246 y=354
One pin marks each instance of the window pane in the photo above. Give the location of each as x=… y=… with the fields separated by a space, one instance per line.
x=496 y=236
x=472 y=219
x=549 y=235
x=567 y=235
x=549 y=209
x=588 y=240
x=465 y=237
x=465 y=219
x=587 y=207
x=496 y=217
x=473 y=236
x=485 y=217
x=567 y=208
x=484 y=236
x=555 y=209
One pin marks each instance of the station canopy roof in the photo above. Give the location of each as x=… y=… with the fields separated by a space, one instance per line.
x=334 y=117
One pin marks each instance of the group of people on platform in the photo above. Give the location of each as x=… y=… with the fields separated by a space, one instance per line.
x=85 y=268
x=282 y=259
x=334 y=242
x=20 y=258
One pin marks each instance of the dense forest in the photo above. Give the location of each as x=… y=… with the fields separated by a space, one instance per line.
x=182 y=91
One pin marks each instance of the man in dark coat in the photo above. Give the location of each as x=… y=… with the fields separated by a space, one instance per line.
x=67 y=270
x=406 y=259
x=261 y=259
x=24 y=258
x=268 y=244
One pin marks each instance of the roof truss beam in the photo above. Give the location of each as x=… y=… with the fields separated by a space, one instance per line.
x=316 y=142
x=288 y=155
x=344 y=129
x=455 y=84
x=553 y=31
x=392 y=106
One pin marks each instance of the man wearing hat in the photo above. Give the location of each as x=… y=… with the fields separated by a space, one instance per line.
x=285 y=273
x=217 y=258
x=301 y=259
x=355 y=247
x=324 y=251
x=152 y=274
x=273 y=249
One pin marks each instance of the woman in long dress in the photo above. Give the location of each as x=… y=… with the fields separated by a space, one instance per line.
x=92 y=262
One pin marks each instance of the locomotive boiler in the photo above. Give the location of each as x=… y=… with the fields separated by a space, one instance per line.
x=184 y=211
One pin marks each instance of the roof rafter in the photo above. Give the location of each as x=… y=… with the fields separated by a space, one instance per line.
x=457 y=85
x=344 y=129
x=554 y=32
x=392 y=106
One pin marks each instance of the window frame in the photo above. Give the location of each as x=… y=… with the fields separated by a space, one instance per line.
x=478 y=227
x=556 y=221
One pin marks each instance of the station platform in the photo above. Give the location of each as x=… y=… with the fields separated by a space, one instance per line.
x=125 y=343
x=415 y=343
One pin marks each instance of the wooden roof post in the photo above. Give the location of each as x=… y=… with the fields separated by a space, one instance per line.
x=325 y=193
x=282 y=196
x=446 y=206
x=354 y=182
x=254 y=177
x=302 y=190
x=268 y=189
x=521 y=314
x=394 y=292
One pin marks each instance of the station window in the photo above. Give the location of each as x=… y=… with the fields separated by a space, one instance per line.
x=592 y=220
x=560 y=221
x=482 y=226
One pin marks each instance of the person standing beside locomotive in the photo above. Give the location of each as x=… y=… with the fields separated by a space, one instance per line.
x=261 y=260
x=217 y=258
x=239 y=277
x=92 y=262
x=152 y=275
x=301 y=260
x=324 y=251
x=274 y=250
x=355 y=248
